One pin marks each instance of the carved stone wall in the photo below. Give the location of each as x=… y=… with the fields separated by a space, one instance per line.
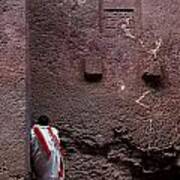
x=13 y=128
x=107 y=73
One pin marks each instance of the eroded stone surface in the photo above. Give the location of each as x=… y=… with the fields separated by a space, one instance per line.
x=115 y=127
x=13 y=131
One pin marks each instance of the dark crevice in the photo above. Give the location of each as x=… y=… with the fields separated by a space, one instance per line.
x=93 y=149
x=144 y=164
x=119 y=10
x=153 y=76
x=149 y=164
x=94 y=77
x=153 y=81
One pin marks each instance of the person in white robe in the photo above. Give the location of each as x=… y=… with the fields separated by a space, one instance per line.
x=46 y=151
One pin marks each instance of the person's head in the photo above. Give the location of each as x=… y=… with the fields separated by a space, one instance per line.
x=43 y=120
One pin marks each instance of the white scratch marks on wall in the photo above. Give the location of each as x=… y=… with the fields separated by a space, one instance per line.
x=138 y=101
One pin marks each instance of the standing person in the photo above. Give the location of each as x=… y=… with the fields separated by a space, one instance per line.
x=46 y=151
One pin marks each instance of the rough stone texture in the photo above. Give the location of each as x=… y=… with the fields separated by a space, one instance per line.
x=13 y=132
x=123 y=126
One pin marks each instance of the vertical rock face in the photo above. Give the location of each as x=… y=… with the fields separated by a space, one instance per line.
x=13 y=133
x=107 y=73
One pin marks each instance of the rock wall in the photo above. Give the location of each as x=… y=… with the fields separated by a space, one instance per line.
x=13 y=129
x=106 y=72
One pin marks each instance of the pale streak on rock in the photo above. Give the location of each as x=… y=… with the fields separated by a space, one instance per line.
x=150 y=131
x=138 y=101
x=81 y=2
x=123 y=87
x=141 y=43
x=126 y=30
x=156 y=50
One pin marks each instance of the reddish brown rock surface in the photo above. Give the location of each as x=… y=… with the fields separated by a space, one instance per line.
x=13 y=132
x=107 y=73
x=109 y=125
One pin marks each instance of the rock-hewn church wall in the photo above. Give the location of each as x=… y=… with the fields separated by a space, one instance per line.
x=107 y=74
x=13 y=128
